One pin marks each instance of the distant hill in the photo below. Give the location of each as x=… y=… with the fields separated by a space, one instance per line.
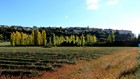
x=102 y=34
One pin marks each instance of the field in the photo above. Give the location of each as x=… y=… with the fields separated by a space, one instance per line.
x=68 y=63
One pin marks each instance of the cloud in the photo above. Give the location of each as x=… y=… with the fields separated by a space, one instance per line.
x=92 y=4
x=66 y=17
x=112 y=2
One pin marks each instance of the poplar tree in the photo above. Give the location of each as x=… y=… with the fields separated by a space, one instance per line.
x=33 y=38
x=76 y=39
x=112 y=37
x=39 y=38
x=54 y=40
x=73 y=39
x=22 y=39
x=62 y=39
x=94 y=39
x=30 y=39
x=67 y=39
x=44 y=37
x=88 y=39
x=82 y=40
x=109 y=38
x=17 y=38
x=70 y=39
x=12 y=39
x=25 y=39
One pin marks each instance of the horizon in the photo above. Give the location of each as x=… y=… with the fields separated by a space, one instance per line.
x=104 y=14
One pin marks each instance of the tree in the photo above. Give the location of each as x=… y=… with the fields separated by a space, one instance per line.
x=109 y=38
x=112 y=37
x=17 y=38
x=62 y=39
x=77 y=40
x=44 y=37
x=73 y=39
x=70 y=39
x=33 y=38
x=39 y=38
x=12 y=37
x=22 y=39
x=94 y=39
x=82 y=40
x=25 y=39
x=30 y=39
x=88 y=38
x=54 y=40
x=67 y=39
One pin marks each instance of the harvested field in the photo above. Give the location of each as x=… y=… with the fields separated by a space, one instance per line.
x=68 y=63
x=106 y=67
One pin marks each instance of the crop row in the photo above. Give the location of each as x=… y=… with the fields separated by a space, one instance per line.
x=29 y=67
x=19 y=73
x=46 y=60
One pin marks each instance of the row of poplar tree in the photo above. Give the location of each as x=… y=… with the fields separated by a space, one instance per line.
x=22 y=39
x=37 y=38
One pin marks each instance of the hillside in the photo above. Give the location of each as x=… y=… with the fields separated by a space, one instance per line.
x=101 y=34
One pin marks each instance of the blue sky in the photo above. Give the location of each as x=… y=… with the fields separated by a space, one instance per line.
x=115 y=14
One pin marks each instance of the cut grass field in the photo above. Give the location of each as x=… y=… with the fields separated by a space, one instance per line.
x=68 y=62
x=118 y=65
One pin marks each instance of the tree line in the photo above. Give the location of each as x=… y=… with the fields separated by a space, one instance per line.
x=101 y=34
x=22 y=39
x=37 y=38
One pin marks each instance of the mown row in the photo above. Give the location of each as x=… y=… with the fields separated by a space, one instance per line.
x=31 y=63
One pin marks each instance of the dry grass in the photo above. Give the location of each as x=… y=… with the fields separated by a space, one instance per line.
x=105 y=67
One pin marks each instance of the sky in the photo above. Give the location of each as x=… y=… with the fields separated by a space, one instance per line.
x=114 y=14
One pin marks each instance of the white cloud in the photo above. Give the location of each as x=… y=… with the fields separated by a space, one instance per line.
x=92 y=1
x=112 y=2
x=66 y=17
x=92 y=4
x=92 y=7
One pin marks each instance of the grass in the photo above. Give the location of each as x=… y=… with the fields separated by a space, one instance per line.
x=4 y=44
x=44 y=59
x=114 y=66
x=138 y=65
x=69 y=62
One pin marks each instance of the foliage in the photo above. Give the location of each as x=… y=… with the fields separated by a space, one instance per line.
x=39 y=39
x=111 y=38
x=22 y=39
